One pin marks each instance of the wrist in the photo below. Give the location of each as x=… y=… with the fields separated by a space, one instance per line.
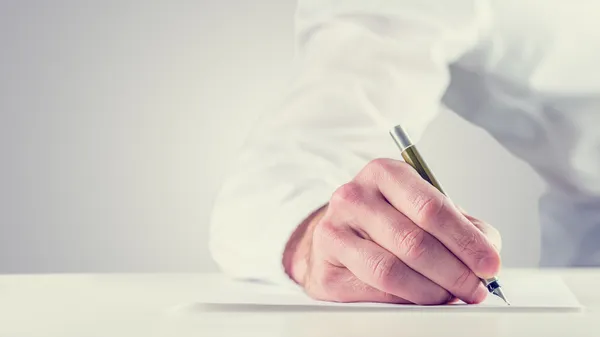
x=297 y=250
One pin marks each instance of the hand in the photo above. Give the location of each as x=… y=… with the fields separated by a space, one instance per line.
x=389 y=236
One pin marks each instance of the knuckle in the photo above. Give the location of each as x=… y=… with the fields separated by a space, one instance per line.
x=464 y=282
x=386 y=269
x=468 y=243
x=429 y=208
x=413 y=242
x=326 y=233
x=349 y=193
x=382 y=167
x=388 y=170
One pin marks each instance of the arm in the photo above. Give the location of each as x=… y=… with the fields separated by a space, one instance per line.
x=362 y=67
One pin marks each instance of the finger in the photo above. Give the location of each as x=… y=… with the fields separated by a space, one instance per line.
x=488 y=230
x=429 y=209
x=382 y=270
x=418 y=249
x=337 y=284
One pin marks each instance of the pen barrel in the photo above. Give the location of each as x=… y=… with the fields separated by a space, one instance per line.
x=412 y=156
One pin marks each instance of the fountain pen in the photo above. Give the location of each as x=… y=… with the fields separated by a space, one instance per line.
x=412 y=156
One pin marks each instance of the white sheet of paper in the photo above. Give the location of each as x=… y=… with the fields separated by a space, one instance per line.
x=535 y=291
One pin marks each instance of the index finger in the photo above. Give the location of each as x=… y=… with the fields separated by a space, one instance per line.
x=431 y=210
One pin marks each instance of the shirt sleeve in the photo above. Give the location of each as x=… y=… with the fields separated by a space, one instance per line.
x=361 y=68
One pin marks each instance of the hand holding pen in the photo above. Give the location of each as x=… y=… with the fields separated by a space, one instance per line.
x=412 y=157
x=389 y=235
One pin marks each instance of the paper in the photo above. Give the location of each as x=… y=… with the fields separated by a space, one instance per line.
x=525 y=291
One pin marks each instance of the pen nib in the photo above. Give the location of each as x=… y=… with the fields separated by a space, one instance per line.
x=498 y=292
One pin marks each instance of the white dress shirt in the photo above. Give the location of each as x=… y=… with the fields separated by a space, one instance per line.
x=527 y=71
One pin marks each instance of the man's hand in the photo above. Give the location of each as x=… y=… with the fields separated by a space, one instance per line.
x=389 y=236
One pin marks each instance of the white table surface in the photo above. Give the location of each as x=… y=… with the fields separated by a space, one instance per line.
x=163 y=305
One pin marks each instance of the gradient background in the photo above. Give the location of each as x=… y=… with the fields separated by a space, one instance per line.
x=117 y=119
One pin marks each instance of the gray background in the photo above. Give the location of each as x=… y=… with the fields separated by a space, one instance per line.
x=116 y=122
